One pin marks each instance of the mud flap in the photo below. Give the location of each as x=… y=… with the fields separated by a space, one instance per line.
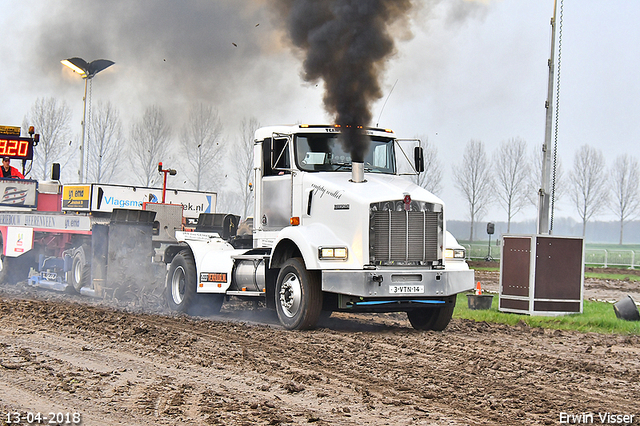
x=129 y=255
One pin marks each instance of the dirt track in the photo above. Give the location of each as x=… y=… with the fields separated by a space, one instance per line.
x=115 y=365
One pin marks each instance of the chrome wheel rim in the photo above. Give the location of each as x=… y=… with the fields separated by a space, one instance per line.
x=77 y=273
x=290 y=295
x=178 y=285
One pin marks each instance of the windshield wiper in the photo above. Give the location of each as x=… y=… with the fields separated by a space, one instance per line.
x=340 y=165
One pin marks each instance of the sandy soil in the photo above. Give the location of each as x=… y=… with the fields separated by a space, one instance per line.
x=115 y=363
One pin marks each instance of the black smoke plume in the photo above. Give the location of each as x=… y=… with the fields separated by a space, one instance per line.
x=345 y=43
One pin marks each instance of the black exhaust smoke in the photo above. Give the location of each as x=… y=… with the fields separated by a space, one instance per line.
x=345 y=43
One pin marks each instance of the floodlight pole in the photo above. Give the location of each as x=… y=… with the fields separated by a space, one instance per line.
x=84 y=115
x=87 y=71
x=545 y=188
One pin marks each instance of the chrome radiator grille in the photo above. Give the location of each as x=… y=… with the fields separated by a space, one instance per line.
x=405 y=237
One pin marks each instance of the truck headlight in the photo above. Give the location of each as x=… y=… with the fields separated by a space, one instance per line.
x=333 y=253
x=455 y=254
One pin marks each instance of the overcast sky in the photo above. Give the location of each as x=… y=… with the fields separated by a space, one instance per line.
x=463 y=70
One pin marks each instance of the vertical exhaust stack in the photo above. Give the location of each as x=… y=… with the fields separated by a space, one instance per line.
x=357 y=172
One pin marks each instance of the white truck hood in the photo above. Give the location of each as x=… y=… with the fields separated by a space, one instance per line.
x=376 y=188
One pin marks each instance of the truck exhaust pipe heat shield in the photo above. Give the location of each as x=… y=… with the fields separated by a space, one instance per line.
x=357 y=172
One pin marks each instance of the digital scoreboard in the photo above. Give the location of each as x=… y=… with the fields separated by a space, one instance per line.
x=16 y=147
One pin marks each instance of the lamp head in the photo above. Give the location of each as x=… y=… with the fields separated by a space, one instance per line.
x=87 y=70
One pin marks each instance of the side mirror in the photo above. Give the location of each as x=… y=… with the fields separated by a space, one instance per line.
x=418 y=159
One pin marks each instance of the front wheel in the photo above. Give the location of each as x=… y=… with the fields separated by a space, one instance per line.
x=298 y=296
x=435 y=319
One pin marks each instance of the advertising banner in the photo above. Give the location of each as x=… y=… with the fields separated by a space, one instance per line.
x=76 y=198
x=19 y=241
x=18 y=193
x=105 y=197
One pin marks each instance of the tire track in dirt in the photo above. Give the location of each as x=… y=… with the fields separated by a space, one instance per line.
x=360 y=370
x=167 y=396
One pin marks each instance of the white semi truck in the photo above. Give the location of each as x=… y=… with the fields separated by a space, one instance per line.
x=329 y=235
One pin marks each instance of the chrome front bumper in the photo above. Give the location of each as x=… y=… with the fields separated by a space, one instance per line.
x=378 y=282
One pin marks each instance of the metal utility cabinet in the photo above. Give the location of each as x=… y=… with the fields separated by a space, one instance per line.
x=541 y=275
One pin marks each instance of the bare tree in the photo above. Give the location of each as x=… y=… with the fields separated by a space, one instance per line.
x=512 y=177
x=473 y=179
x=243 y=162
x=200 y=139
x=227 y=201
x=50 y=119
x=431 y=178
x=106 y=143
x=625 y=178
x=588 y=183
x=149 y=144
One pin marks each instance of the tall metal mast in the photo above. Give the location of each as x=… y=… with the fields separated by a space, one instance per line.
x=544 y=192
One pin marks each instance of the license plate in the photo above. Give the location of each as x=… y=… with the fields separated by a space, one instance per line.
x=406 y=289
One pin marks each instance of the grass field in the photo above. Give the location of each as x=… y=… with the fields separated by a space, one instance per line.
x=588 y=246
x=596 y=255
x=597 y=317
x=610 y=274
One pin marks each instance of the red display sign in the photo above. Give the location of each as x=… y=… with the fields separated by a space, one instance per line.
x=16 y=147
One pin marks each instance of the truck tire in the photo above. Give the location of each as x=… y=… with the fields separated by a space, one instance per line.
x=181 y=281
x=4 y=269
x=5 y=266
x=181 y=288
x=80 y=274
x=298 y=296
x=6 y=277
x=435 y=319
x=15 y=269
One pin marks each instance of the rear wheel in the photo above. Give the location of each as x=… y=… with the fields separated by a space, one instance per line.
x=435 y=319
x=6 y=264
x=80 y=274
x=3 y=269
x=181 y=288
x=15 y=269
x=298 y=296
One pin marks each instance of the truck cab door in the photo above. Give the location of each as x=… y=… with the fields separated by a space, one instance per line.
x=277 y=183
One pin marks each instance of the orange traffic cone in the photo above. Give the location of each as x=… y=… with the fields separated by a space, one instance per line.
x=478 y=288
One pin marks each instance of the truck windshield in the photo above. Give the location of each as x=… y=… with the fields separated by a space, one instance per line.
x=324 y=152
